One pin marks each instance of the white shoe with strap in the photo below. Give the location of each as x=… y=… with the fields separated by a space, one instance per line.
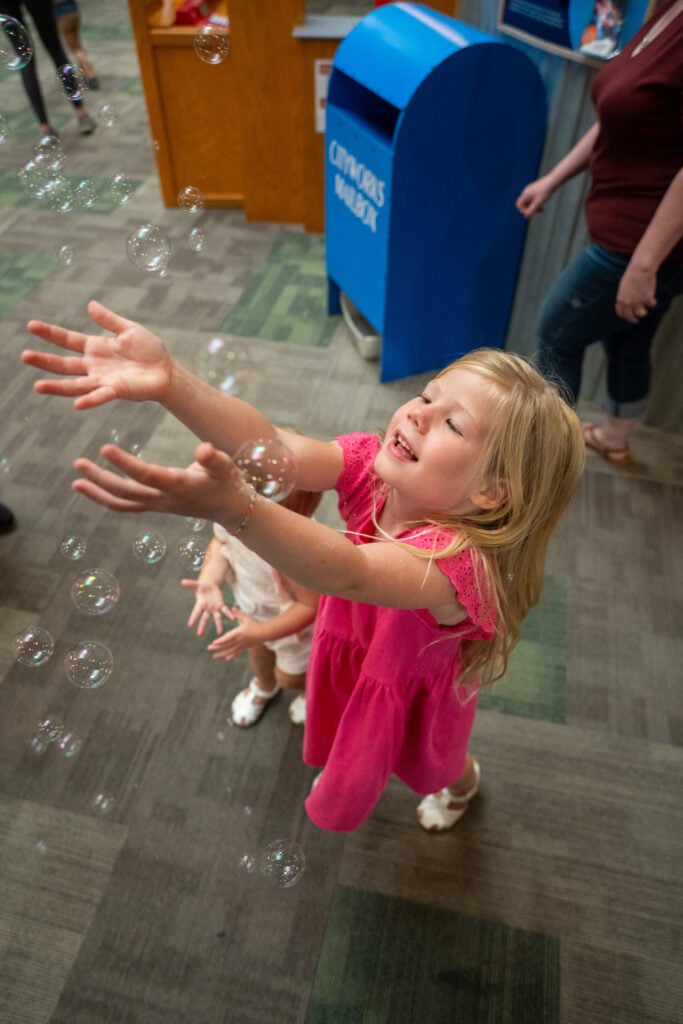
x=245 y=710
x=440 y=811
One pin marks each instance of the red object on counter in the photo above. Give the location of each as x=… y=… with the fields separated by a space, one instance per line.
x=193 y=12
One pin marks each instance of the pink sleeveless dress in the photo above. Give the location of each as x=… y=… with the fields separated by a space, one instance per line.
x=381 y=695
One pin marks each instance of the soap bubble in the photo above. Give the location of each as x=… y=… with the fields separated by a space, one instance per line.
x=107 y=115
x=49 y=151
x=269 y=466
x=15 y=44
x=62 y=197
x=38 y=746
x=73 y=82
x=102 y=804
x=85 y=193
x=88 y=664
x=38 y=177
x=72 y=547
x=196 y=239
x=4 y=130
x=95 y=592
x=225 y=363
x=66 y=255
x=50 y=729
x=149 y=247
x=69 y=744
x=121 y=188
x=41 y=846
x=191 y=199
x=33 y=647
x=149 y=547
x=191 y=551
x=283 y=863
x=211 y=44
x=6 y=465
x=248 y=863
x=196 y=525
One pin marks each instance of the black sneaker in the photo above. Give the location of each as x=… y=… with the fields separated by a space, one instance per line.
x=86 y=125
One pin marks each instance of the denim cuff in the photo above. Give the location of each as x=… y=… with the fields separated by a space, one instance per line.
x=624 y=410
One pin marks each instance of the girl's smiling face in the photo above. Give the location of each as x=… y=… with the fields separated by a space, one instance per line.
x=435 y=447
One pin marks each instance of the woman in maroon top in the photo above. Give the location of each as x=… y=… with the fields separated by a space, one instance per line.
x=622 y=284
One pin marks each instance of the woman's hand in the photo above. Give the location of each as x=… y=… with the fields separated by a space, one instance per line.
x=211 y=488
x=231 y=644
x=208 y=604
x=132 y=364
x=636 y=295
x=532 y=199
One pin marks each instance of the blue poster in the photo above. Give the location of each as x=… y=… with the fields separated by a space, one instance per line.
x=596 y=29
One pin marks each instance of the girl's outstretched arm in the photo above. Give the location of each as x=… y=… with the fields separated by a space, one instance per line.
x=314 y=555
x=133 y=364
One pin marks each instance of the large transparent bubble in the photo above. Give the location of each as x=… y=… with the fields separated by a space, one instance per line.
x=282 y=863
x=149 y=247
x=95 y=592
x=226 y=363
x=211 y=44
x=33 y=646
x=269 y=466
x=88 y=664
x=15 y=44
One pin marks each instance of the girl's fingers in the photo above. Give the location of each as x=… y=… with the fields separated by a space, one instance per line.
x=102 y=497
x=73 y=340
x=70 y=366
x=107 y=318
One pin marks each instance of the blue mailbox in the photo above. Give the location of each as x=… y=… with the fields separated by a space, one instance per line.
x=433 y=128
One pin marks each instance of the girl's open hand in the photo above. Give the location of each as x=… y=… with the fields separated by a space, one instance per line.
x=211 y=488
x=208 y=604
x=132 y=363
x=231 y=644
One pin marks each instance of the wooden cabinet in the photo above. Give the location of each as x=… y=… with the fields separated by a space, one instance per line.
x=242 y=131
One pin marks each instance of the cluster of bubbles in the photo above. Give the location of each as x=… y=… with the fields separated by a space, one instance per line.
x=282 y=863
x=269 y=466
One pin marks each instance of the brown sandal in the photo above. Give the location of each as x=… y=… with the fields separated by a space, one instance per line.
x=617 y=456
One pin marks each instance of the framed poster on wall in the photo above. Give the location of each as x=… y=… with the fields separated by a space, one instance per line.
x=591 y=31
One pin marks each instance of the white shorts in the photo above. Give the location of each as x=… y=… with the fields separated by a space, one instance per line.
x=292 y=652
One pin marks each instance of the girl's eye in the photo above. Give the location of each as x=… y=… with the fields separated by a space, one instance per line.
x=426 y=399
x=454 y=427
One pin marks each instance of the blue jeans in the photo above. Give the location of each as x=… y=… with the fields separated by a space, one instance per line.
x=578 y=310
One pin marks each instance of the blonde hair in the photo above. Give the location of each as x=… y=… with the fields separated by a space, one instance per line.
x=535 y=452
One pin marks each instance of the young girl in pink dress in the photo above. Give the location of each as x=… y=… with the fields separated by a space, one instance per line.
x=448 y=521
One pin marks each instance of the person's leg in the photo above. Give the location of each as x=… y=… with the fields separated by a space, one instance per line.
x=42 y=13
x=29 y=75
x=440 y=811
x=7 y=521
x=577 y=311
x=250 y=703
x=628 y=372
x=69 y=26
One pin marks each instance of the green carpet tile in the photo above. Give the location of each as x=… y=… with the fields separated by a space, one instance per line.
x=20 y=273
x=534 y=685
x=389 y=959
x=286 y=299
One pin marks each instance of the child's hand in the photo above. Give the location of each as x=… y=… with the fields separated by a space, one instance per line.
x=133 y=364
x=211 y=488
x=208 y=604
x=231 y=645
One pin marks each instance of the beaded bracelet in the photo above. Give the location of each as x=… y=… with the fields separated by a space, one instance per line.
x=251 y=508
